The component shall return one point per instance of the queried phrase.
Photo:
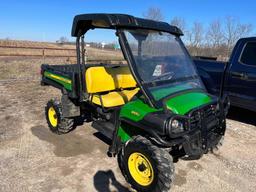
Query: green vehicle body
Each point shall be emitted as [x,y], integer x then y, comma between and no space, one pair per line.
[162,102]
[152,111]
[180,105]
[137,109]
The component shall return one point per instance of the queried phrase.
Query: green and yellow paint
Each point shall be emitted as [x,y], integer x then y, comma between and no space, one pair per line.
[180,104]
[67,83]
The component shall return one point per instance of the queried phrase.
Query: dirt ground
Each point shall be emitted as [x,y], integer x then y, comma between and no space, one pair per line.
[34,159]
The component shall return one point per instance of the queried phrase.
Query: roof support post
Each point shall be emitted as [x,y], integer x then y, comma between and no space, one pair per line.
[80,70]
[83,50]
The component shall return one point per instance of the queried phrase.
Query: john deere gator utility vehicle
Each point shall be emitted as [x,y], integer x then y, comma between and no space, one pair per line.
[154,110]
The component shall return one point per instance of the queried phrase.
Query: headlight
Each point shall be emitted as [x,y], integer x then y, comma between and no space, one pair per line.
[176,126]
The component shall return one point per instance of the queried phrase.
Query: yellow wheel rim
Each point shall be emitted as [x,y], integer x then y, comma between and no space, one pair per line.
[52,116]
[140,169]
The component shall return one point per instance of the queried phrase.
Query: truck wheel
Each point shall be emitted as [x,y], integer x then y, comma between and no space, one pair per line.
[56,122]
[145,166]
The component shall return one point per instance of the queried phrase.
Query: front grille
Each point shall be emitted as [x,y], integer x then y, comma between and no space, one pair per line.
[206,116]
[195,120]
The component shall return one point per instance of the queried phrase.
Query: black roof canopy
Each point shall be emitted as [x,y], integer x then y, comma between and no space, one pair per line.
[83,23]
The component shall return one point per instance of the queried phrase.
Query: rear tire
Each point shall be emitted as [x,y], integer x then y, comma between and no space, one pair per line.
[145,166]
[55,120]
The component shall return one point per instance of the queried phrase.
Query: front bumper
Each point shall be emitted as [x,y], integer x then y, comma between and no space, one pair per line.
[195,145]
[208,127]
[204,128]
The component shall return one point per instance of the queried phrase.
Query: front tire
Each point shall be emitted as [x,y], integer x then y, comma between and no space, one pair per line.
[216,149]
[145,166]
[55,120]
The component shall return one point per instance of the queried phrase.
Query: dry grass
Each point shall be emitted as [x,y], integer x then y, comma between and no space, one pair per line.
[31,48]
[16,43]
[24,67]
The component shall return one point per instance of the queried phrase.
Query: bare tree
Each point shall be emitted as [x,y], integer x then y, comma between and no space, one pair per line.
[154,13]
[234,30]
[196,38]
[179,22]
[215,34]
[197,34]
[217,40]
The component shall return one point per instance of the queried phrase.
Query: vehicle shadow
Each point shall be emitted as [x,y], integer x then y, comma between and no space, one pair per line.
[104,179]
[242,115]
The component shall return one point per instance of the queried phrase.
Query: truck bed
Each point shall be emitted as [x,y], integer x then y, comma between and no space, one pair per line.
[211,73]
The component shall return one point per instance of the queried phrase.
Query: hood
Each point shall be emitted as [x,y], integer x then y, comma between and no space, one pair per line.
[181,104]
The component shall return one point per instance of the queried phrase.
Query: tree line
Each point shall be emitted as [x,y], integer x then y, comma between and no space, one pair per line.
[217,39]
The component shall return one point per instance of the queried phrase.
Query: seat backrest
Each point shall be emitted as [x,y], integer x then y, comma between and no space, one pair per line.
[102,79]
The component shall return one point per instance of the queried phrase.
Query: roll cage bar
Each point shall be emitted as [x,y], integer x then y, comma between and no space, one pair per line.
[85,22]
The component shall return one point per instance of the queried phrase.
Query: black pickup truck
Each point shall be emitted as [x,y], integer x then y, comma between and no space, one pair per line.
[238,74]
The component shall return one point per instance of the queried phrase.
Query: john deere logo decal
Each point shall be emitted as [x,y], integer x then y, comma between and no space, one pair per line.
[135,113]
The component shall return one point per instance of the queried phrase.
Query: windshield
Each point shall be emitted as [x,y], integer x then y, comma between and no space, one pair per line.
[162,62]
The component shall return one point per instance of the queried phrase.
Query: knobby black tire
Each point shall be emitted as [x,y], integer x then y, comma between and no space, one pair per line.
[160,159]
[64,125]
[216,149]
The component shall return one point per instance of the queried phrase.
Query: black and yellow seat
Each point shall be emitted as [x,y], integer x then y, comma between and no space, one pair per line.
[110,87]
